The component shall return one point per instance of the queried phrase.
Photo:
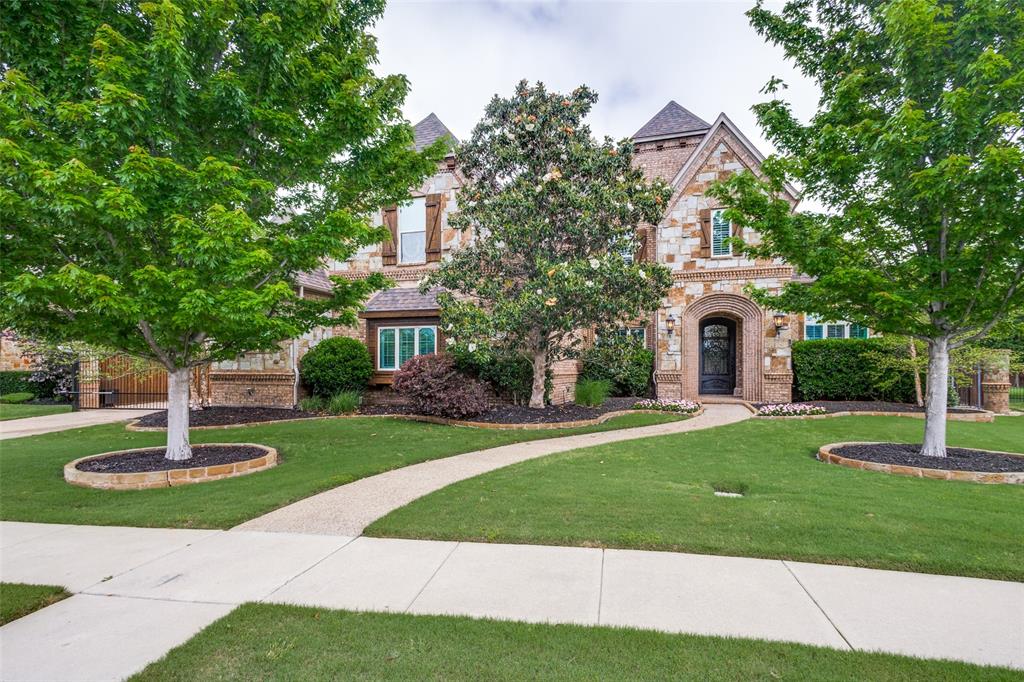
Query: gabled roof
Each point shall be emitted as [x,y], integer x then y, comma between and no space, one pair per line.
[429,130]
[692,164]
[315,281]
[672,121]
[403,299]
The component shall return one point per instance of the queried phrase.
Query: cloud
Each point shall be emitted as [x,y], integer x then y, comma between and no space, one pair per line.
[637,55]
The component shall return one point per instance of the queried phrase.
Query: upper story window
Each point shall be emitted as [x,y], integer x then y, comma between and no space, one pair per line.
[412,231]
[721,230]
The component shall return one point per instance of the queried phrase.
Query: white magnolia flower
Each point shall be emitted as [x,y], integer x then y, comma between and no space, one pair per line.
[538,188]
[449,341]
[540,291]
[590,282]
[449,327]
[643,275]
[472,347]
[594,263]
[620,178]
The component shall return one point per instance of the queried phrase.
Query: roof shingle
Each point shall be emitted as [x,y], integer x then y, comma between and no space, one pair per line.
[430,130]
[672,120]
[315,281]
[403,298]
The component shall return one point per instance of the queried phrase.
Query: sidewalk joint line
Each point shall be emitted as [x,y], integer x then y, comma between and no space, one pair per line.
[600,589]
[306,570]
[811,597]
[431,578]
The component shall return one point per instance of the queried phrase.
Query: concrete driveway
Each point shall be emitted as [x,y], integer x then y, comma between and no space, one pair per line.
[33,426]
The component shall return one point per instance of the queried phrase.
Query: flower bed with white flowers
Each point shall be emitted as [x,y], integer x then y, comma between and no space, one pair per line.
[680,406]
[789,410]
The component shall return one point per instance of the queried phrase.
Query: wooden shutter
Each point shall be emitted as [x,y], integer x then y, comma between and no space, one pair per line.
[641,251]
[433,236]
[389,248]
[705,233]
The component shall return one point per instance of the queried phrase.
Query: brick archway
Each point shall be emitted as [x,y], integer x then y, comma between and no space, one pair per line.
[750,351]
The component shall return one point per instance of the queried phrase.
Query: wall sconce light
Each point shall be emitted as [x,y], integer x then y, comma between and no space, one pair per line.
[670,324]
[780,321]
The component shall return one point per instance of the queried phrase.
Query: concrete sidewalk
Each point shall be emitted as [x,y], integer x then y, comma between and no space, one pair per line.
[348,509]
[140,592]
[34,426]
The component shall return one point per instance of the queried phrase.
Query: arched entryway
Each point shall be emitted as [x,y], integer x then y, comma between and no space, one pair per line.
[717,356]
[745,320]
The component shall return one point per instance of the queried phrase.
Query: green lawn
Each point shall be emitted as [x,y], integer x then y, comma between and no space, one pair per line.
[658,494]
[316,455]
[264,642]
[1017,398]
[17,600]
[21,411]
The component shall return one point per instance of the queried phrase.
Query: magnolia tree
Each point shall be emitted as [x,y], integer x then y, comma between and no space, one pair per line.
[169,167]
[916,153]
[555,214]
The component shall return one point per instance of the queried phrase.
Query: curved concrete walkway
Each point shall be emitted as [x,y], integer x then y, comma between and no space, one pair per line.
[348,509]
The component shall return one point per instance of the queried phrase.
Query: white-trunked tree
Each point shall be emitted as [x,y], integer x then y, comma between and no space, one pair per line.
[170,167]
[917,153]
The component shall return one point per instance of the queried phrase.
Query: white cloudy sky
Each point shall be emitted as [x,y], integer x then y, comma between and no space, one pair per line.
[637,55]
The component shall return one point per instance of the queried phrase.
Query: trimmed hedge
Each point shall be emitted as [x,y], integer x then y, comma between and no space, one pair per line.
[852,369]
[623,361]
[334,365]
[17,382]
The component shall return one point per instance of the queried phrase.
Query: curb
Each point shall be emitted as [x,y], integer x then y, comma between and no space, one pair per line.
[826,455]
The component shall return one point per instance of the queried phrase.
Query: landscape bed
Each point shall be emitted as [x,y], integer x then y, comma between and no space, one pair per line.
[834,406]
[956,459]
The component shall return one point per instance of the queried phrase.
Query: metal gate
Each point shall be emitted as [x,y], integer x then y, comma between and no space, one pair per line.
[971,392]
[119,382]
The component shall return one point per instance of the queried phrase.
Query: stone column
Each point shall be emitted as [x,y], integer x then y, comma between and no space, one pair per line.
[995,383]
[89,384]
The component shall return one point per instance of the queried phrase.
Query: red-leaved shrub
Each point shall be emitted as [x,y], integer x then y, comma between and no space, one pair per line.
[434,386]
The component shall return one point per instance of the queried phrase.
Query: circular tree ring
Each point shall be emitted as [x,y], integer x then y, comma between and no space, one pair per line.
[164,478]
[827,453]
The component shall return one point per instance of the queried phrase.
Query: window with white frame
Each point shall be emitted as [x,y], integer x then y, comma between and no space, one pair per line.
[412,231]
[818,329]
[635,333]
[721,231]
[395,345]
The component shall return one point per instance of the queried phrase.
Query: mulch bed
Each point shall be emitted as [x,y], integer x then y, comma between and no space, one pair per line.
[520,414]
[956,459]
[871,406]
[226,416]
[152,459]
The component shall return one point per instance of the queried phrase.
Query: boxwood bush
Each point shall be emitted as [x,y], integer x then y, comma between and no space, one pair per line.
[623,361]
[16,382]
[335,365]
[852,369]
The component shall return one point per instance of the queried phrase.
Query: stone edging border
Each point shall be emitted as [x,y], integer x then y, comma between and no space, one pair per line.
[133,425]
[825,454]
[172,477]
[951,416]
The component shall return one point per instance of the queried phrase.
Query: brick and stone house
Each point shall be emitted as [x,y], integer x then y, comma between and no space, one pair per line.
[709,338]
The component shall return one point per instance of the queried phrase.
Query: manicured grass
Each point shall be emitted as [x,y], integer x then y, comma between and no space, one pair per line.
[17,600]
[316,455]
[22,411]
[1017,398]
[658,494]
[264,642]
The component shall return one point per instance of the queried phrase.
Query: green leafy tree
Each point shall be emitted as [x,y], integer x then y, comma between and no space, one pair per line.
[554,211]
[169,167]
[916,153]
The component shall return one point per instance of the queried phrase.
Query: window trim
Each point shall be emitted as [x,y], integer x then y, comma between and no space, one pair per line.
[729,227]
[416,340]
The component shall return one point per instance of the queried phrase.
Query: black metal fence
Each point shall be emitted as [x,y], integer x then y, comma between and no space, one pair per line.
[970,392]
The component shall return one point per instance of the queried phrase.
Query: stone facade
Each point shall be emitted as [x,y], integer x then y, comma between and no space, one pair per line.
[12,357]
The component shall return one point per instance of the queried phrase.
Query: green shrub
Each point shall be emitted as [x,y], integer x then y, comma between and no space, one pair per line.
[312,403]
[592,392]
[509,373]
[16,398]
[621,360]
[853,369]
[16,382]
[345,402]
[335,365]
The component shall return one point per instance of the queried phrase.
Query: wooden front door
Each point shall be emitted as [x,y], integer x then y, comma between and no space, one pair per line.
[717,356]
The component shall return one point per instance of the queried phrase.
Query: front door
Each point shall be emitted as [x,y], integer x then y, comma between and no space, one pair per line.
[717,356]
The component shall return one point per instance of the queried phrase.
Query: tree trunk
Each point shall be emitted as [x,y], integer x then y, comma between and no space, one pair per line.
[540,362]
[936,397]
[917,375]
[178,447]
